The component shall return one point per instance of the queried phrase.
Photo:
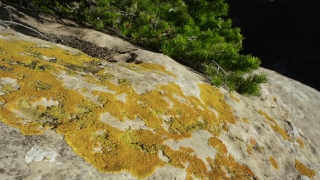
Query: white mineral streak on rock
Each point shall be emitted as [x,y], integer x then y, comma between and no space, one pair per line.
[168,172]
[122,97]
[46,58]
[169,102]
[44,102]
[98,148]
[214,111]
[188,88]
[303,177]
[181,99]
[44,46]
[127,124]
[37,154]
[162,156]
[77,82]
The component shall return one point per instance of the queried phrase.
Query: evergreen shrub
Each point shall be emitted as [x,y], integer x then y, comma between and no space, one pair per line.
[194,32]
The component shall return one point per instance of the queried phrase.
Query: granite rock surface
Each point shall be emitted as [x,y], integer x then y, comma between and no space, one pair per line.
[67,115]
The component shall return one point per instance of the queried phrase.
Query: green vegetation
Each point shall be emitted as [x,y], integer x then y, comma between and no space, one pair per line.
[195,33]
[40,85]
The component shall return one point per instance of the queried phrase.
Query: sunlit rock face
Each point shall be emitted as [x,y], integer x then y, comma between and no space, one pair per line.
[152,120]
[124,117]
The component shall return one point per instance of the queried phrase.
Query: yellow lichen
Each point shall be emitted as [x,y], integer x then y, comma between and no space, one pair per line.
[108,148]
[234,97]
[41,85]
[235,170]
[6,88]
[274,125]
[148,67]
[253,141]
[251,145]
[214,99]
[6,34]
[246,120]
[250,148]
[273,163]
[304,170]
[300,142]
[287,113]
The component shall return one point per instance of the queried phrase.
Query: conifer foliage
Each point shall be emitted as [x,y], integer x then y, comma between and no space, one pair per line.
[193,32]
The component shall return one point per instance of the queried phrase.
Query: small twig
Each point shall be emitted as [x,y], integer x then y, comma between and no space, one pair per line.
[4,24]
[9,10]
[219,67]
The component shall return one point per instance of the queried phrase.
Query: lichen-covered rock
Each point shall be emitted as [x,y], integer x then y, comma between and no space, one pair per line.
[119,123]
[153,120]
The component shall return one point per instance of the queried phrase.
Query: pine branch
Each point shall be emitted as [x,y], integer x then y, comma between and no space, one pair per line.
[192,32]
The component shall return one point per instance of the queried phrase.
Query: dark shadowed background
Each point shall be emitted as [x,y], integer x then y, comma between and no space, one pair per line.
[284,34]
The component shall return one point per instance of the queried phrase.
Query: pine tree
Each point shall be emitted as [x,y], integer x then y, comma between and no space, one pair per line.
[193,32]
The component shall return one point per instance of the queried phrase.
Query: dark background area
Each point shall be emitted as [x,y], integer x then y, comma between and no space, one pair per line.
[284,34]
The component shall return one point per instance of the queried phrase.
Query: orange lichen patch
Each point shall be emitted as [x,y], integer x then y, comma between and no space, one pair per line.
[28,94]
[213,98]
[235,170]
[116,155]
[253,141]
[79,119]
[32,128]
[252,144]
[300,142]
[250,148]
[148,67]
[186,158]
[218,145]
[304,170]
[29,52]
[151,106]
[143,140]
[246,120]
[274,125]
[234,97]
[273,163]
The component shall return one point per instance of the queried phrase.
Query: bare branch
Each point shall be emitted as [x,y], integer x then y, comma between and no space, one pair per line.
[4,24]
[9,10]
[11,22]
[219,67]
